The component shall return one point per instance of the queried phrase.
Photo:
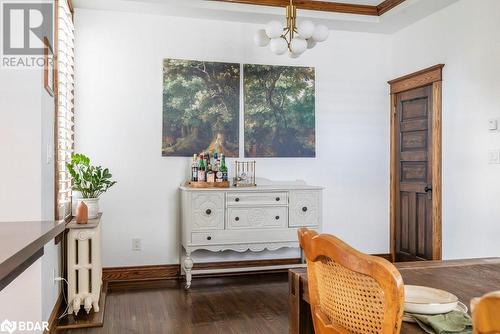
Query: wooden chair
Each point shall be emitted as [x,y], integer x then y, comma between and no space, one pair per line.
[350,292]
[486,313]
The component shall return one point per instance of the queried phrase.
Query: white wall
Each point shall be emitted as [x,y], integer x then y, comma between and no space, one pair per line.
[119,124]
[27,184]
[465,37]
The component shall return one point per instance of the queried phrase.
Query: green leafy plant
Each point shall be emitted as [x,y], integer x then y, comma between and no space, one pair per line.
[91,181]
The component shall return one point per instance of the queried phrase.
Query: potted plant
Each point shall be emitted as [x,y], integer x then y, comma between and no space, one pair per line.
[90,181]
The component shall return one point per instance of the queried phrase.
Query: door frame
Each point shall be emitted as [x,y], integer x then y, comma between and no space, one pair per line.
[429,76]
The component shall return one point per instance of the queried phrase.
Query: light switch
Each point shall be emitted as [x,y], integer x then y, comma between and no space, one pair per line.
[493,124]
[494,157]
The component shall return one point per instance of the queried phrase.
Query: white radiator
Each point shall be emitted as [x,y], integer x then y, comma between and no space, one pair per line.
[84,265]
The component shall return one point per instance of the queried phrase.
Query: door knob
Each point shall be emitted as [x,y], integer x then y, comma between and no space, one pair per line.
[304,209]
[428,188]
[208,211]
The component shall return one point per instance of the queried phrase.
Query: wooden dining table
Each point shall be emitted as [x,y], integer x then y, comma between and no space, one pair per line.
[464,278]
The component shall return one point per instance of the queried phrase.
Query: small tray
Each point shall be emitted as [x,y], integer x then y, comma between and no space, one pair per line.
[223,184]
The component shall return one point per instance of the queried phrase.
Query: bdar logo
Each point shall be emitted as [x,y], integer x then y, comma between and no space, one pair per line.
[8,326]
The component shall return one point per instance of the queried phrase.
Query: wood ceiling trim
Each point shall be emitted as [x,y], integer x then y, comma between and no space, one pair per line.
[325,6]
[387,5]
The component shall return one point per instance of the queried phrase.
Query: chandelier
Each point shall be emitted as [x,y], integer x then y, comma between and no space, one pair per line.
[293,38]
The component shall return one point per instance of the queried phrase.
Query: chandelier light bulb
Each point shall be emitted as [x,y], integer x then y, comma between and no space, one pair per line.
[294,38]
[260,38]
[320,33]
[311,43]
[305,29]
[298,45]
[278,46]
[274,29]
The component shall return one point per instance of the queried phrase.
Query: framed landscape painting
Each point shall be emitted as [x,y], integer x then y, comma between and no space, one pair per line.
[200,107]
[279,111]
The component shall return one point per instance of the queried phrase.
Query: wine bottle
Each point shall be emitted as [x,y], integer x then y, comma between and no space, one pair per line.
[223,167]
[194,168]
[201,170]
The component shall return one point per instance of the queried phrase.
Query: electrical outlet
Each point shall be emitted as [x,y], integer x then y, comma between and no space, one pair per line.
[136,244]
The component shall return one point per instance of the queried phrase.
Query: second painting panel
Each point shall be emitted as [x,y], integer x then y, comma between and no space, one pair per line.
[279,111]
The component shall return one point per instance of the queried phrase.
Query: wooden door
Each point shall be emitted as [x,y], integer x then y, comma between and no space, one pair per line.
[414,226]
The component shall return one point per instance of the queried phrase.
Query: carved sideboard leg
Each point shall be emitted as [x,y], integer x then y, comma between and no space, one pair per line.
[188,265]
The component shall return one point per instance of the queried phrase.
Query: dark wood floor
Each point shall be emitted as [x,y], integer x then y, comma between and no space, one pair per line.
[240,304]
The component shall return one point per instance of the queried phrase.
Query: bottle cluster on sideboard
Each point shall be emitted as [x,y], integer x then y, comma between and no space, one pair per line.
[209,168]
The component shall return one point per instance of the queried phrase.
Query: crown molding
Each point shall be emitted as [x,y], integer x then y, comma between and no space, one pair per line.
[325,6]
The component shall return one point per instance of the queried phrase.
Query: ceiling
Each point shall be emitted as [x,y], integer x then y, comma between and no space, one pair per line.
[399,17]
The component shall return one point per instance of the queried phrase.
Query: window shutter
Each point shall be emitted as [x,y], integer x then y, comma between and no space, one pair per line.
[65,108]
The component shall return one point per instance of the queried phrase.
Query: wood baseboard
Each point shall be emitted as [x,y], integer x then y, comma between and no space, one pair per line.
[118,276]
[141,273]
[388,257]
[54,315]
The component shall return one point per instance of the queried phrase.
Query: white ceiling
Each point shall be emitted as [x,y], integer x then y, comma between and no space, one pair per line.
[403,15]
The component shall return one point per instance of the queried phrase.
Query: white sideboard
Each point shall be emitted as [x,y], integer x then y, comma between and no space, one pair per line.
[242,219]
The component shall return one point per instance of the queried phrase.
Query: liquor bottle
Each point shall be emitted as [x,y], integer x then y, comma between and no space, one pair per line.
[207,159]
[201,170]
[194,168]
[223,167]
[218,173]
[215,164]
[210,174]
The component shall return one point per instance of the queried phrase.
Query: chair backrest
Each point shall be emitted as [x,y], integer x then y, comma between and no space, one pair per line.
[350,292]
[486,313]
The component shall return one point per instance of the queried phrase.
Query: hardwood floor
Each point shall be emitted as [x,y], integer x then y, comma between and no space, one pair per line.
[240,304]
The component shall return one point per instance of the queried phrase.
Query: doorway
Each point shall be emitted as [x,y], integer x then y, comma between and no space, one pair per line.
[415,202]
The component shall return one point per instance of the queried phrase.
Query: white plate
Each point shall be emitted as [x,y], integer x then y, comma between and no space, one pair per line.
[460,307]
[424,300]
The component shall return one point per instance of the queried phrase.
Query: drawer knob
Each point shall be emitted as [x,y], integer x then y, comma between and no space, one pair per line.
[277,217]
[237,199]
[209,238]
[208,211]
[304,208]
[277,199]
[236,218]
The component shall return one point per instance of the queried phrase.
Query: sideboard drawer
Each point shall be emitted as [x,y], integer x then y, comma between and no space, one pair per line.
[234,237]
[256,198]
[305,208]
[207,211]
[263,217]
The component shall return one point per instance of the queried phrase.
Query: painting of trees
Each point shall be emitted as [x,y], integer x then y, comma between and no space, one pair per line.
[279,111]
[200,106]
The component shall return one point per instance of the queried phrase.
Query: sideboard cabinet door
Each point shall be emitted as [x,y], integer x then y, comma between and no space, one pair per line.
[207,210]
[304,208]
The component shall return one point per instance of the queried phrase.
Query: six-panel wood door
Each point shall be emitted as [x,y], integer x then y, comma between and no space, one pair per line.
[414,175]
